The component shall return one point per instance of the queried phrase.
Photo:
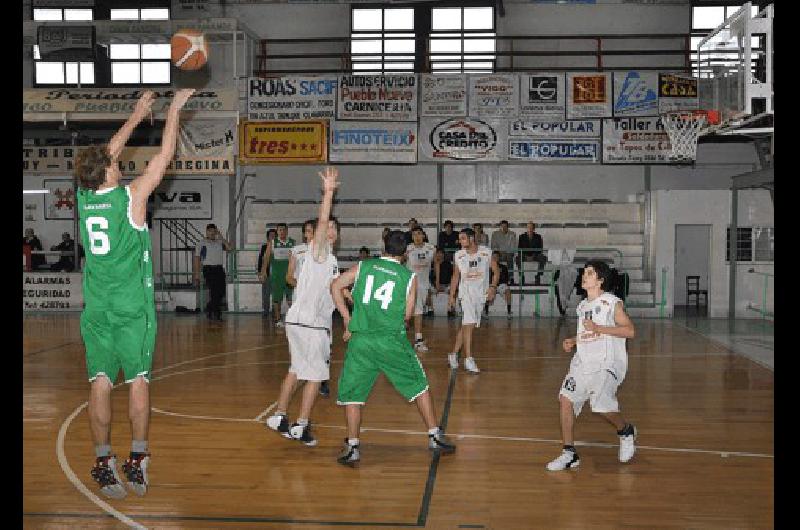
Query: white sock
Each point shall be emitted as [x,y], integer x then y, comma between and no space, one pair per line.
[433,432]
[302,421]
[279,413]
[352,442]
[419,336]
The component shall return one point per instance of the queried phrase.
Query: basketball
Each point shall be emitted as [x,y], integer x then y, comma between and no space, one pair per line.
[189,49]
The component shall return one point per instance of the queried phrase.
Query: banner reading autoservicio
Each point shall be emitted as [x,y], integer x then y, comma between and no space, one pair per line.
[291,98]
[377,97]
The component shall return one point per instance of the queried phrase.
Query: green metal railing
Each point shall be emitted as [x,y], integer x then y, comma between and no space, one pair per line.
[763,310]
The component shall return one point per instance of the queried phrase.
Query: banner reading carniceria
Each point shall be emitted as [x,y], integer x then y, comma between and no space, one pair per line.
[276,142]
[377,98]
[392,142]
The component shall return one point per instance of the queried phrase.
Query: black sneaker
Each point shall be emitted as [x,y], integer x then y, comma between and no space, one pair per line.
[105,474]
[430,313]
[303,433]
[278,422]
[350,455]
[439,442]
[135,469]
[324,389]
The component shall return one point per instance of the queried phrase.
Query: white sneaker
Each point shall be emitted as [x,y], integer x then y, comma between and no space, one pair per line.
[280,324]
[627,447]
[565,460]
[470,366]
[420,346]
[452,358]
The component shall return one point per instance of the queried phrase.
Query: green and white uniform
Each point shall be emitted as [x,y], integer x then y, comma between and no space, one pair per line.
[118,323]
[279,261]
[379,343]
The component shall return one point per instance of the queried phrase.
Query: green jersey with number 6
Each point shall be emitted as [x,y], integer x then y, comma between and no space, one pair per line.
[379,296]
[118,275]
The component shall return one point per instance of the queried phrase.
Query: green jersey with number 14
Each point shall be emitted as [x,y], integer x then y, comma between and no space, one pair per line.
[118,274]
[379,296]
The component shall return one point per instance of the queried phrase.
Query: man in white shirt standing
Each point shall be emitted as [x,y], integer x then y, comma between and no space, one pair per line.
[308,321]
[598,367]
[471,279]
[419,257]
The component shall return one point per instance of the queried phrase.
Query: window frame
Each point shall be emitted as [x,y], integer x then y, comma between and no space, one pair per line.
[384,36]
[464,60]
[751,249]
[140,62]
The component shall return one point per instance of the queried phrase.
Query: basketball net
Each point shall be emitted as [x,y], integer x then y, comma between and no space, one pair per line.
[683,129]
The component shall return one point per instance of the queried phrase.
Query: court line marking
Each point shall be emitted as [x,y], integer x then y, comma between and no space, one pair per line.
[62,432]
[228,519]
[266,411]
[49,349]
[728,348]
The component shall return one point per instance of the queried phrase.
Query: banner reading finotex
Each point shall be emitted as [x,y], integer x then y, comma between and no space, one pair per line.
[392,142]
[291,98]
[122,100]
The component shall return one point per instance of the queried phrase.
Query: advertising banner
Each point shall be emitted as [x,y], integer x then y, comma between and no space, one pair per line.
[378,142]
[291,98]
[121,100]
[52,291]
[493,96]
[207,138]
[47,160]
[443,95]
[553,150]
[677,92]
[182,199]
[275,142]
[636,141]
[59,202]
[555,129]
[377,97]
[543,96]
[635,93]
[463,140]
[588,95]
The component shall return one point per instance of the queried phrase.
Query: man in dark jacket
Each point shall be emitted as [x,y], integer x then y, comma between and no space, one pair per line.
[265,290]
[531,240]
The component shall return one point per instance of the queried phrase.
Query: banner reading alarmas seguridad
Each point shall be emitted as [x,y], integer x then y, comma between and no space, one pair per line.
[277,142]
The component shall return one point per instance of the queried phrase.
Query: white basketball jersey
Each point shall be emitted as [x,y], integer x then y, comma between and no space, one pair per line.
[598,351]
[474,272]
[313,304]
[419,260]
[299,252]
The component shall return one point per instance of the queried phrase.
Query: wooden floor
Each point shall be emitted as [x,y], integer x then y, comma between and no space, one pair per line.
[705,420]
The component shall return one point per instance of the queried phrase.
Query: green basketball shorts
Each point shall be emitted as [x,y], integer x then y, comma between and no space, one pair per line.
[369,355]
[278,284]
[115,340]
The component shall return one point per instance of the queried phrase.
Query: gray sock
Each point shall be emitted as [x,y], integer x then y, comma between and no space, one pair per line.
[102,450]
[139,446]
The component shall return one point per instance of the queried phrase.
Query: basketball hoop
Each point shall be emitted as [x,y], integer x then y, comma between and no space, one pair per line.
[683,128]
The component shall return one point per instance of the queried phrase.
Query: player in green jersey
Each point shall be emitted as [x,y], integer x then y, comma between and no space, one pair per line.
[276,260]
[383,295]
[118,323]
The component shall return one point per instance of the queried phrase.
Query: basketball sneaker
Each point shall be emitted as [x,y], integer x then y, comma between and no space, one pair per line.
[626,443]
[452,358]
[324,389]
[278,422]
[350,455]
[420,346]
[565,460]
[303,433]
[439,442]
[280,324]
[105,474]
[135,469]
[470,366]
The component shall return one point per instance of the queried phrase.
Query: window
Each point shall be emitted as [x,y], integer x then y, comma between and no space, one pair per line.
[60,72]
[382,40]
[753,244]
[707,18]
[462,39]
[140,64]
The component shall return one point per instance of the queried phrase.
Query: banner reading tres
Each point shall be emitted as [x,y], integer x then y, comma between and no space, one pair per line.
[276,142]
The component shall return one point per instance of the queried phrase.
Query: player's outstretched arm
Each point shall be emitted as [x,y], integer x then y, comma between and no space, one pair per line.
[329,184]
[148,181]
[142,109]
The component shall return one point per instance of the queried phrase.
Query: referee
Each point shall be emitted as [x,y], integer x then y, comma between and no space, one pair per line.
[210,254]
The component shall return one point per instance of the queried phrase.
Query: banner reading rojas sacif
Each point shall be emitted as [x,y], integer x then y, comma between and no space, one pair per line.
[276,142]
[122,100]
[379,142]
[291,98]
[377,98]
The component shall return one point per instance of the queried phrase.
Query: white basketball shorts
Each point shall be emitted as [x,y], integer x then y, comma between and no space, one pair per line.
[600,388]
[310,352]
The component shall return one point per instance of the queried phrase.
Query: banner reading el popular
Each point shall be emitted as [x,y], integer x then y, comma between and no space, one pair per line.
[377,98]
[279,142]
[493,95]
[291,98]
[537,150]
[636,141]
[377,142]
[588,95]
[677,92]
[443,95]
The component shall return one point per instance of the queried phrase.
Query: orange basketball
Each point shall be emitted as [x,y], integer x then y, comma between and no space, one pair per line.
[189,49]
